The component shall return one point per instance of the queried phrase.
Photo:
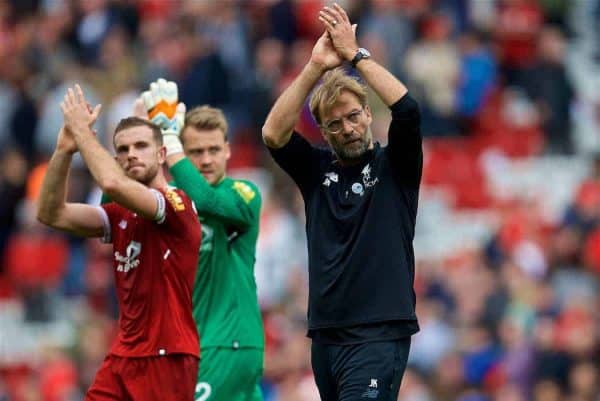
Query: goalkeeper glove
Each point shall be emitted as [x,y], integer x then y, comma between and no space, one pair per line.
[164,110]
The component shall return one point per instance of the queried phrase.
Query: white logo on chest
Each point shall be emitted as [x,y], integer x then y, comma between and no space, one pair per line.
[358,189]
[367,182]
[130,259]
[366,177]
[329,178]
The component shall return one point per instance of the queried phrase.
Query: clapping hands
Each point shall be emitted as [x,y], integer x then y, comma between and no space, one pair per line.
[77,112]
[341,33]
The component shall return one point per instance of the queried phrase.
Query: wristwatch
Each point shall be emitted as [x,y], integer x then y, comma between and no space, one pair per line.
[361,53]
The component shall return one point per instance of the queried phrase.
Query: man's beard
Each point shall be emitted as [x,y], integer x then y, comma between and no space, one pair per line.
[354,152]
[146,177]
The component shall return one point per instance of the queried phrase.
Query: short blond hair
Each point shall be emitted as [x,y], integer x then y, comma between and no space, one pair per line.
[334,83]
[206,118]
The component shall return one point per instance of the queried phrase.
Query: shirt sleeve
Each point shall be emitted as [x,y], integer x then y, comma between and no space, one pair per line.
[179,212]
[109,212]
[405,145]
[160,201]
[299,159]
[234,204]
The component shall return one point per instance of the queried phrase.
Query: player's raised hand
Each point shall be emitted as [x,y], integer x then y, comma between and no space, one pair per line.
[341,32]
[324,54]
[65,141]
[139,108]
[164,109]
[77,113]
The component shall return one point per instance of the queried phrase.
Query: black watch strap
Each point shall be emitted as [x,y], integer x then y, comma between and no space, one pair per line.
[360,54]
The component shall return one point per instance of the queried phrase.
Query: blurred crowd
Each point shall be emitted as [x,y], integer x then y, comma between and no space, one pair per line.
[513,316]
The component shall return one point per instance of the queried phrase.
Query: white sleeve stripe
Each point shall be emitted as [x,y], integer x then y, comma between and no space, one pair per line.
[160,206]
[107,236]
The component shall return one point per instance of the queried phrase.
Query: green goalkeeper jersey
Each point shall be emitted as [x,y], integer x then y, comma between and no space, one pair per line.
[224,300]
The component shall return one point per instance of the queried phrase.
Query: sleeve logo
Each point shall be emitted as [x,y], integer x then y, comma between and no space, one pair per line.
[175,200]
[244,190]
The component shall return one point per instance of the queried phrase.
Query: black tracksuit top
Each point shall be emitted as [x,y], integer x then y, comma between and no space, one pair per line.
[360,225]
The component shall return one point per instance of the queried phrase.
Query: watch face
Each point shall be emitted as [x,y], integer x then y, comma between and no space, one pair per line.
[365,52]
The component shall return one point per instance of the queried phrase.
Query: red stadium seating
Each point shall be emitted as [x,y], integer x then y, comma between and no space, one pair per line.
[36,260]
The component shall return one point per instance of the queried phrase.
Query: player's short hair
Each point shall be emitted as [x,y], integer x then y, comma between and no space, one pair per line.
[205,118]
[131,122]
[327,93]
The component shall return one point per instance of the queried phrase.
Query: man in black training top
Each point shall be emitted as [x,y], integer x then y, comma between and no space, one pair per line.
[361,206]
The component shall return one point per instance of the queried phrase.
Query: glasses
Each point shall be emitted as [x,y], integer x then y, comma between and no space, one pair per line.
[336,126]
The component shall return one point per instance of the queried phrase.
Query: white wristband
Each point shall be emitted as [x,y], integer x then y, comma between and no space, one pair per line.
[172,144]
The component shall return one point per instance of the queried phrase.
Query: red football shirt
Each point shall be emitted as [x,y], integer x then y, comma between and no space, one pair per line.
[155,265]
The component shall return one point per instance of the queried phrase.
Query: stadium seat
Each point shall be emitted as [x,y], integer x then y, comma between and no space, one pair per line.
[36,260]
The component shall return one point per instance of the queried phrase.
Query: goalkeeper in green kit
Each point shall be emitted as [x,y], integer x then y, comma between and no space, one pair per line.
[225,305]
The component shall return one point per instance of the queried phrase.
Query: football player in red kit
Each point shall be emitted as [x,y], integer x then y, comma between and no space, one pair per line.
[155,234]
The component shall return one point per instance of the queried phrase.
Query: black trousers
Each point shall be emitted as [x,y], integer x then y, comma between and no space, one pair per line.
[360,372]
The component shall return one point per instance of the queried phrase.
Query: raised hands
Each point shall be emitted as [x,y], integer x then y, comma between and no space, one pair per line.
[139,108]
[66,142]
[78,114]
[341,33]
[324,54]
[163,108]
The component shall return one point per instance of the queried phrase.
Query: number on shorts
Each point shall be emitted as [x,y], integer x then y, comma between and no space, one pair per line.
[204,389]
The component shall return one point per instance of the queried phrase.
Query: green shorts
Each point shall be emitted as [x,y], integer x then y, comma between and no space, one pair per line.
[227,374]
